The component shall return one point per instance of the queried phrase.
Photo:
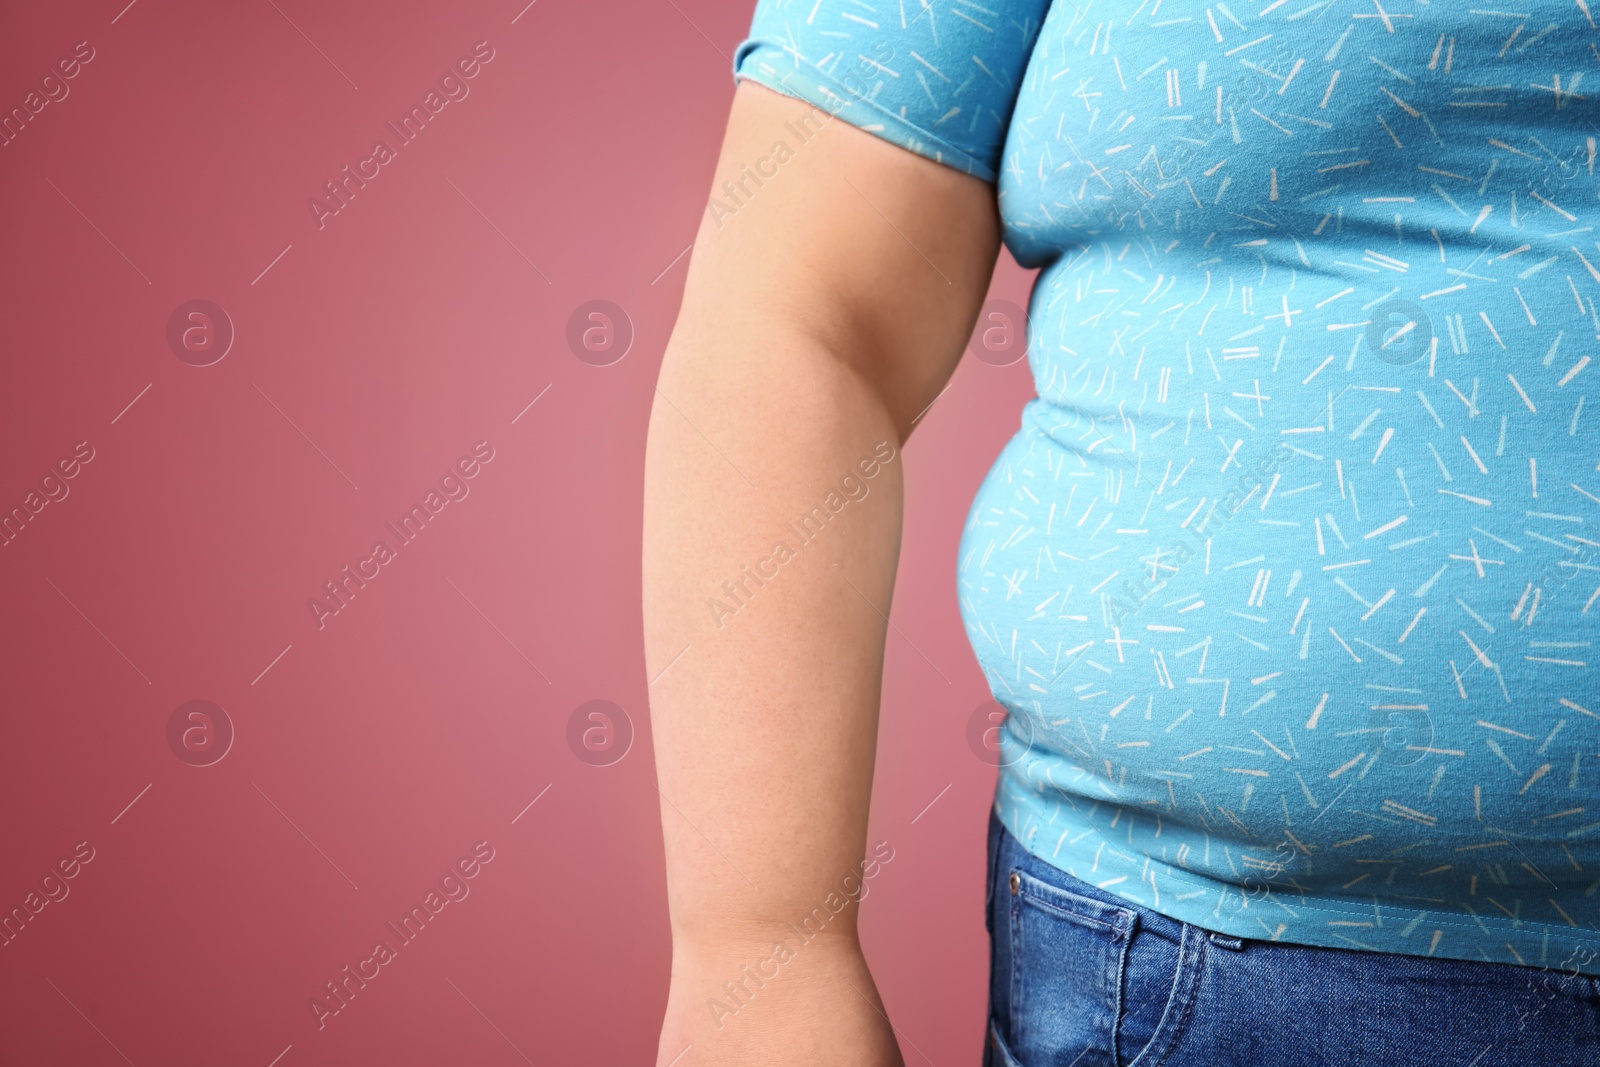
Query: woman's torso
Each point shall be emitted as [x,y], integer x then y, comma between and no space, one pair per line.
[1291,578]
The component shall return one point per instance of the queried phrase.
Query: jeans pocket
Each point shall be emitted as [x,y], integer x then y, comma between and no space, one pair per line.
[1067,956]
[1158,973]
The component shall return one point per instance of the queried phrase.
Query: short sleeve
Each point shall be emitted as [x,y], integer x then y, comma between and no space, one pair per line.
[934,77]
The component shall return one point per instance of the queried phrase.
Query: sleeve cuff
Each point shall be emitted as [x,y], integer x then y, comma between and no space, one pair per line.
[765,62]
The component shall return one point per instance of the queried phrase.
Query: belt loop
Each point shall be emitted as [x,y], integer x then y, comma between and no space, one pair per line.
[1232,944]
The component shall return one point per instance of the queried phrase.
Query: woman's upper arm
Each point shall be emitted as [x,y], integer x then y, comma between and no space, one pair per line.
[879,255]
[854,195]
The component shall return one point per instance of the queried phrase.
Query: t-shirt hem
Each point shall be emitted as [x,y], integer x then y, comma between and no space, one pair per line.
[1526,942]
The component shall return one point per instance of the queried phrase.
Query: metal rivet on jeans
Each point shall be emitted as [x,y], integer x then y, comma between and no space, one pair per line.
[1016,883]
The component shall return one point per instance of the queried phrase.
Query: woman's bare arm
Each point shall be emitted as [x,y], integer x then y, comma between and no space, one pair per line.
[825,309]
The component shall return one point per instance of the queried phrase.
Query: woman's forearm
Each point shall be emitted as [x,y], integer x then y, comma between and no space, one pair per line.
[773,497]
[773,501]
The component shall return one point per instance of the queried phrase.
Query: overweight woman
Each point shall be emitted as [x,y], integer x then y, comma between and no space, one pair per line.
[1289,580]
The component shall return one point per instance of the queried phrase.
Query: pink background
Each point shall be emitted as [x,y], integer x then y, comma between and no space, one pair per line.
[372,754]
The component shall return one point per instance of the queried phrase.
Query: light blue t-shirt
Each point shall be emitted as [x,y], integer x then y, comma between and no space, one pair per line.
[1290,580]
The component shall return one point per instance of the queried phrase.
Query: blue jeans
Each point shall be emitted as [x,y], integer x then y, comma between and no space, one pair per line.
[1080,977]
